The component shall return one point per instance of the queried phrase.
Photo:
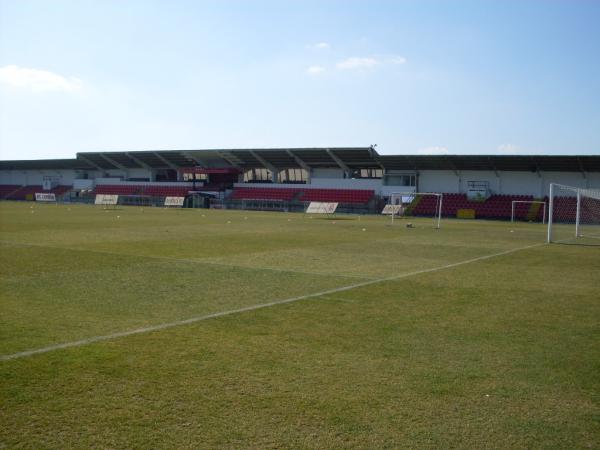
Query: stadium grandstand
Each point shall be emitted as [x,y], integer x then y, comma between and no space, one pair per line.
[359,179]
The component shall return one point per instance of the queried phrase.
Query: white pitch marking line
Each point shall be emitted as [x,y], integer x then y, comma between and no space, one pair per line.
[252,307]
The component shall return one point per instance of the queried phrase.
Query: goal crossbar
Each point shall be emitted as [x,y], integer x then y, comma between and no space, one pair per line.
[573,214]
[514,203]
[400,198]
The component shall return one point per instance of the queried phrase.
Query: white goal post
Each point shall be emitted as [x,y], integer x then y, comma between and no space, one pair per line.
[573,215]
[530,202]
[410,200]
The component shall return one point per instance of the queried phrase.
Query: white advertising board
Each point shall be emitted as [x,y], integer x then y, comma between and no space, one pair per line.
[106,199]
[174,201]
[45,197]
[321,208]
[389,209]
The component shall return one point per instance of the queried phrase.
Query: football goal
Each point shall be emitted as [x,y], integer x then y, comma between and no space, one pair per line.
[426,204]
[574,215]
[528,210]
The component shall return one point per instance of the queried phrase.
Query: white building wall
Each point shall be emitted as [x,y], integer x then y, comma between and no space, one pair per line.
[386,191]
[116,181]
[594,180]
[346,183]
[509,183]
[31,177]
[480,175]
[438,181]
[528,183]
[327,173]
[568,178]
[139,173]
[66,176]
[521,183]
[12,177]
[323,183]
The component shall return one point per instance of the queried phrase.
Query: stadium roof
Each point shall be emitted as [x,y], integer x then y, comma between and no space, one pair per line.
[44,164]
[347,158]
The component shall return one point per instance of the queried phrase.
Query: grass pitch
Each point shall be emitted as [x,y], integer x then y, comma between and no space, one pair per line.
[435,348]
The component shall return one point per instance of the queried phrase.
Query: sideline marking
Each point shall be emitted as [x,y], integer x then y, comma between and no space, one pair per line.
[253,307]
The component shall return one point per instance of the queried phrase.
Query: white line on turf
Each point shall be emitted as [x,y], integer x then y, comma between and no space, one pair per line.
[253,307]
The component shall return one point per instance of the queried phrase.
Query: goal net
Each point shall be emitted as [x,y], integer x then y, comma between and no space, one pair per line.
[574,215]
[528,210]
[419,204]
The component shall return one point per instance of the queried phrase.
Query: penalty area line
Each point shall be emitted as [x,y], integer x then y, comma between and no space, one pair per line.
[191,320]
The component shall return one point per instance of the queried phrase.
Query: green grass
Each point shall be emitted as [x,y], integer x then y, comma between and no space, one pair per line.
[499,353]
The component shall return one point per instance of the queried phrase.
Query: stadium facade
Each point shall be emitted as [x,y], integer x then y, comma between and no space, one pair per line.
[354,168]
[358,176]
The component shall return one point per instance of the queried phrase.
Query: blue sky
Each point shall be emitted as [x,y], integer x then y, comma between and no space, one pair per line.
[508,77]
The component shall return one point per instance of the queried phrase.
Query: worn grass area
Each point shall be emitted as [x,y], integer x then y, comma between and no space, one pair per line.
[500,353]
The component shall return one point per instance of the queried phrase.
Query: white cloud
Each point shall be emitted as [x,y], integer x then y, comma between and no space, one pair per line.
[369,62]
[508,149]
[396,60]
[315,70]
[319,46]
[355,62]
[37,80]
[433,151]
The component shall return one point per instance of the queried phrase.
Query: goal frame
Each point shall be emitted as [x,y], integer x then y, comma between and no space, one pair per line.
[438,214]
[512,211]
[587,192]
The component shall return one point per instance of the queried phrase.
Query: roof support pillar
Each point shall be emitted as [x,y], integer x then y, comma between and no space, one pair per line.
[169,164]
[197,161]
[493,167]
[375,156]
[113,162]
[142,164]
[581,168]
[267,165]
[166,161]
[91,163]
[301,163]
[339,162]
[231,159]
[138,161]
[537,167]
[452,167]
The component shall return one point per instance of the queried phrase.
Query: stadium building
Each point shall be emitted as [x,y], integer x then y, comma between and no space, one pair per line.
[359,179]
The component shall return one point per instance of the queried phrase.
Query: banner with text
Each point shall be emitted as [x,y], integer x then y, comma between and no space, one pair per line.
[396,210]
[174,201]
[321,208]
[45,197]
[106,199]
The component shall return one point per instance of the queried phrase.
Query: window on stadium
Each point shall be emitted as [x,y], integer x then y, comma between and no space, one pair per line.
[367,173]
[198,176]
[292,176]
[257,176]
[400,180]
